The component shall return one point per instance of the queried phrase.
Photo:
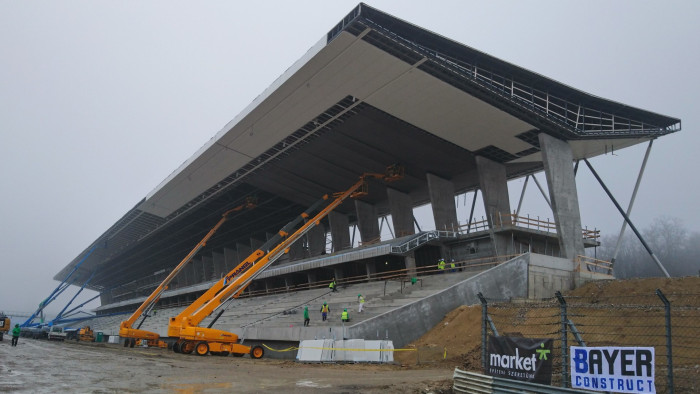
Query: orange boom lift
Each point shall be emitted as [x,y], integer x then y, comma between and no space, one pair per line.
[126,329]
[204,340]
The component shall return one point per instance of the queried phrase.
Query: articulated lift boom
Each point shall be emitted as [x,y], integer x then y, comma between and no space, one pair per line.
[205,340]
[126,329]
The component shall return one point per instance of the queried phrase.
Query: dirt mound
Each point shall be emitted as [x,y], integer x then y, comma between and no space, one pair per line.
[684,290]
[456,340]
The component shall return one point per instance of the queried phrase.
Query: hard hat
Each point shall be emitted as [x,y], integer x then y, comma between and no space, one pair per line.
[345,310]
[359,295]
[16,325]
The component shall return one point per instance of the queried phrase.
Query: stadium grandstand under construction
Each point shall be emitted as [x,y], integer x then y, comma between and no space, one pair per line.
[375,93]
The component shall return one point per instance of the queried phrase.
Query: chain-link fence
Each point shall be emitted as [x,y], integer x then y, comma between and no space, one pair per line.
[669,323]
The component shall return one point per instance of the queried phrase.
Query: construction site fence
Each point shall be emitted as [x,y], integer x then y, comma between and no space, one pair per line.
[667,322]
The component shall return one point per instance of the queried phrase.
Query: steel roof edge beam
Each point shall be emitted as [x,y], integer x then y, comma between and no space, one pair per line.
[627,219]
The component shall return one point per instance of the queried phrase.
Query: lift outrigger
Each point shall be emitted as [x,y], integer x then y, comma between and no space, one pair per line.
[126,329]
[205,340]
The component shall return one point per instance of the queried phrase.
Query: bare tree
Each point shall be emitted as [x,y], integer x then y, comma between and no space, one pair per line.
[673,244]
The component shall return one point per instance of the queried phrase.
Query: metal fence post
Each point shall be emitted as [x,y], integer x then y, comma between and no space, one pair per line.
[484,316]
[564,346]
[669,352]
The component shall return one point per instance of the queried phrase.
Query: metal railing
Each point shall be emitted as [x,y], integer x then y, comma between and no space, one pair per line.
[594,265]
[504,221]
[423,238]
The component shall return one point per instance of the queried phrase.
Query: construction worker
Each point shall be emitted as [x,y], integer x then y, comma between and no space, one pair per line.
[344,316]
[452,266]
[15,334]
[325,310]
[361,301]
[332,285]
[441,266]
[306,316]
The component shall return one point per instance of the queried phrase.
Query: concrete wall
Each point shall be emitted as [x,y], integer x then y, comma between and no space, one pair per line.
[410,322]
[547,275]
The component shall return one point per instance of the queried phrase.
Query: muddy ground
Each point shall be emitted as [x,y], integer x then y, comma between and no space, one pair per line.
[40,366]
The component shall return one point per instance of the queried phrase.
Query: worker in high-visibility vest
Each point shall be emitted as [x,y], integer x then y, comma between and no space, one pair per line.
[344,316]
[453,266]
[332,285]
[361,301]
[441,266]
[15,334]
[325,310]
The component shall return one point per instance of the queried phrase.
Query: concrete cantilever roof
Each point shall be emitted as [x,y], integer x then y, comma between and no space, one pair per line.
[375,91]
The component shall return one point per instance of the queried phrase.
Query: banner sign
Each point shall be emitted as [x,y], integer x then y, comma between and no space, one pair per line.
[612,368]
[526,359]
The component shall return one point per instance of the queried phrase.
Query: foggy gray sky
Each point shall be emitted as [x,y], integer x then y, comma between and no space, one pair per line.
[101,100]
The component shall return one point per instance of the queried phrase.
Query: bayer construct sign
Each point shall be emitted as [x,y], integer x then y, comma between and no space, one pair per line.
[618,369]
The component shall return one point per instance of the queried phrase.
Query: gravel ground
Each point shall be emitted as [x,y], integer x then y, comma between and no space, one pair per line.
[40,366]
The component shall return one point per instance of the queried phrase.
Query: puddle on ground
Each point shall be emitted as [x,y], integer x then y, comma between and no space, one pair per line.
[311,383]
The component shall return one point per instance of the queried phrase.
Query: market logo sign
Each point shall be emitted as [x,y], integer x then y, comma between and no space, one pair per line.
[526,359]
[611,368]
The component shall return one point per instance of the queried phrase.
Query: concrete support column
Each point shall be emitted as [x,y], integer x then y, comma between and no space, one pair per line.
[367,221]
[317,240]
[255,244]
[219,264]
[442,199]
[243,252]
[410,261]
[340,231]
[198,269]
[371,268]
[191,272]
[494,191]
[296,250]
[311,277]
[106,297]
[401,207]
[557,158]
[338,273]
[230,259]
[208,268]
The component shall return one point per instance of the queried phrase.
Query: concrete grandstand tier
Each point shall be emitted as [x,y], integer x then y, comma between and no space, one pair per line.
[375,91]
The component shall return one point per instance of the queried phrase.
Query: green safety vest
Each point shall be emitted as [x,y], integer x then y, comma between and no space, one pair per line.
[344,316]
[452,265]
[331,285]
[362,300]
[441,265]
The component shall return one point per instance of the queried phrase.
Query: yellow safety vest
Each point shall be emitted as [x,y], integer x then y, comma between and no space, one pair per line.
[362,300]
[441,265]
[324,308]
[344,316]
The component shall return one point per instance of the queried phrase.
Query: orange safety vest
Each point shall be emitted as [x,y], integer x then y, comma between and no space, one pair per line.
[324,308]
